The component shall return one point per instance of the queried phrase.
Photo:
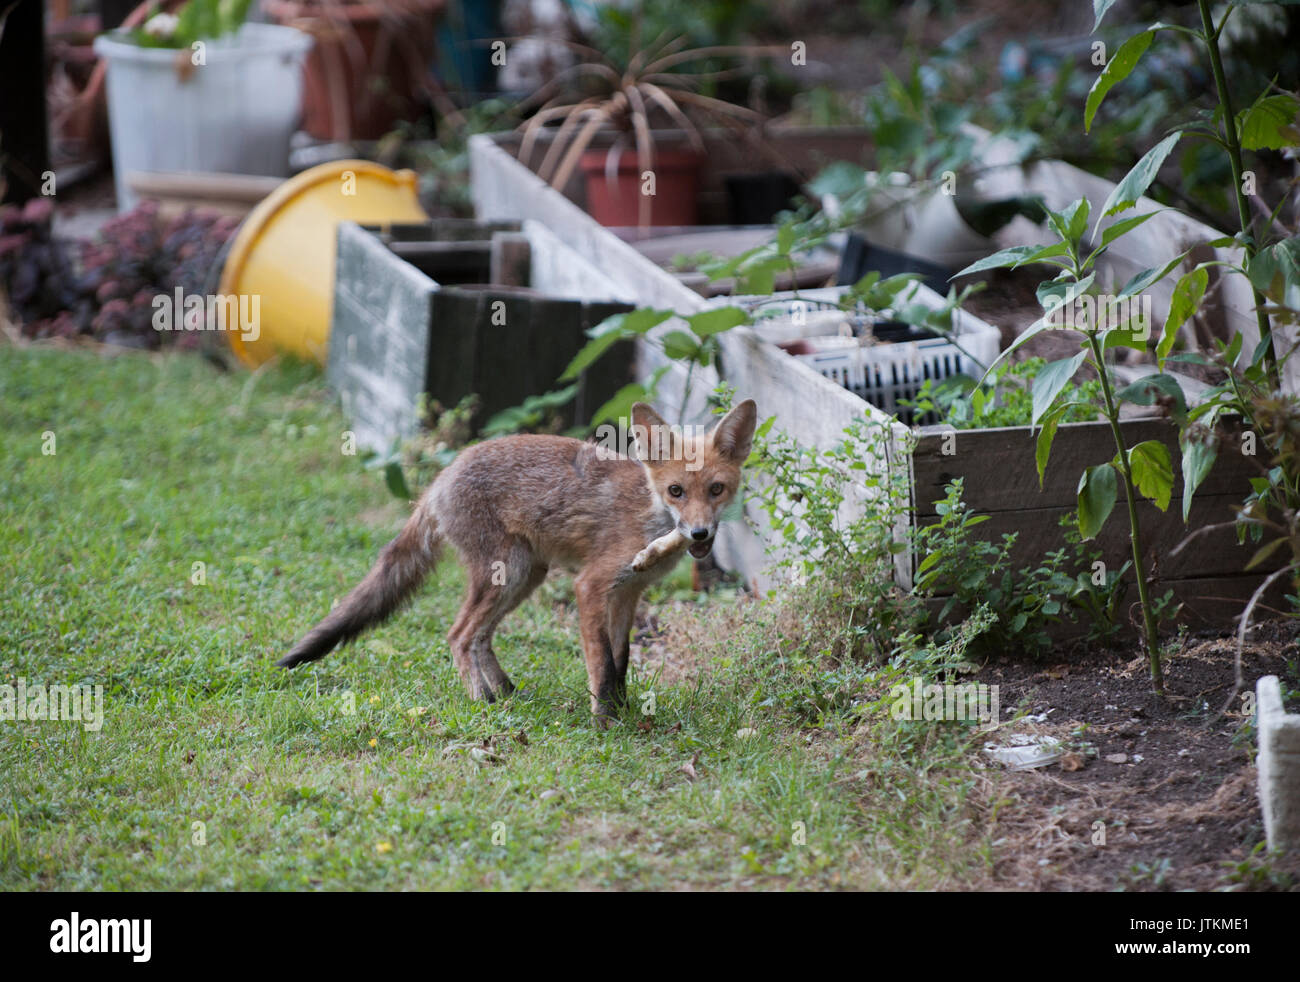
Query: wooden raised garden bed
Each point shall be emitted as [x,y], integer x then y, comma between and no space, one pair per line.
[1000,480]
[449,308]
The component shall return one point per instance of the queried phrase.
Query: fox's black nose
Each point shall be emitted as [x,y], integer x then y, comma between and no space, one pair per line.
[699,535]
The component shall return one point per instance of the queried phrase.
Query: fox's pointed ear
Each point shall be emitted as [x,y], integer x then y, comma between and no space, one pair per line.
[734,434]
[646,423]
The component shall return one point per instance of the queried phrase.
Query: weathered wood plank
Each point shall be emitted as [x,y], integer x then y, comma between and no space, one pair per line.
[1001,475]
[453,326]
[1038,532]
[379,346]
[510,260]
[1208,602]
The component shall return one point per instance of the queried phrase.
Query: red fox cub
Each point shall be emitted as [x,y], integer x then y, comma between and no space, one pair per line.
[516,506]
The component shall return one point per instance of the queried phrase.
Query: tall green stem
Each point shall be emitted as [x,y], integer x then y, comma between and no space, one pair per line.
[1211,38]
[1135,528]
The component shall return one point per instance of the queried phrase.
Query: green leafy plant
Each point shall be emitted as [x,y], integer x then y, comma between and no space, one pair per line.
[196,20]
[969,570]
[1251,386]
[849,553]
[1005,398]
[1106,323]
[627,85]
[1261,125]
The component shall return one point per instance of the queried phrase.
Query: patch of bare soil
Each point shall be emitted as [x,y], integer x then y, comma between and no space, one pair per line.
[1171,783]
[671,641]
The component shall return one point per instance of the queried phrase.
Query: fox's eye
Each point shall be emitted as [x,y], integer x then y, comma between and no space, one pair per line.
[716,488]
[675,490]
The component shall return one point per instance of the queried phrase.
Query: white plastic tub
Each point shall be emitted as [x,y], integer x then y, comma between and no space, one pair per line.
[233,114]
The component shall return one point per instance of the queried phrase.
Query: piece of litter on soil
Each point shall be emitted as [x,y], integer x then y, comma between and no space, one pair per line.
[1026,752]
[1137,758]
[1109,706]
[1040,717]
[1117,758]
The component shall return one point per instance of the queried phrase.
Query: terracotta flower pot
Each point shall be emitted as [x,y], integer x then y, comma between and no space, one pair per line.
[615,187]
[369,62]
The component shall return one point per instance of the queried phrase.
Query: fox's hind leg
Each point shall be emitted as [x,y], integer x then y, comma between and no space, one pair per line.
[496,588]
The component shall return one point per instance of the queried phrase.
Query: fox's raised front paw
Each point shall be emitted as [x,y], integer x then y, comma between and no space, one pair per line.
[643,560]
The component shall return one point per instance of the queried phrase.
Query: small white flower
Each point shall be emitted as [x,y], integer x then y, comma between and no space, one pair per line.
[161,25]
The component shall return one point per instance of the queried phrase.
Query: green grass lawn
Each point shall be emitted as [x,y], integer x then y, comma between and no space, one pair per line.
[368,770]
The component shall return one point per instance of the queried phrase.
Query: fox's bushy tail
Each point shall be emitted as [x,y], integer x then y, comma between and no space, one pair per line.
[400,569]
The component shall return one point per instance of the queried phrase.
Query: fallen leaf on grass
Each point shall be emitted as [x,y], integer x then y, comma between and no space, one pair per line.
[688,768]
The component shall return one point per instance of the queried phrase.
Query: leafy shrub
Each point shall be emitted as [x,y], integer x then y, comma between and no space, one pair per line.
[106,287]
[1006,398]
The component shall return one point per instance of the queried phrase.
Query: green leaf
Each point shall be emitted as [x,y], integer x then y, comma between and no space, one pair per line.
[1044,253]
[1188,292]
[611,330]
[619,405]
[1264,552]
[1275,271]
[396,481]
[1047,434]
[1072,221]
[1050,380]
[681,345]
[709,322]
[1055,295]
[1116,229]
[1000,259]
[1099,8]
[1263,125]
[1147,390]
[1135,183]
[1198,459]
[785,238]
[1153,474]
[759,280]
[1148,276]
[1098,487]
[1116,70]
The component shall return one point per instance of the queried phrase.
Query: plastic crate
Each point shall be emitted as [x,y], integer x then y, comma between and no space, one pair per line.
[886,374]
[883,373]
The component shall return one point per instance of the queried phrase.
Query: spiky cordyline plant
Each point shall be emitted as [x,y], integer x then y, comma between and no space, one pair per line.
[628,94]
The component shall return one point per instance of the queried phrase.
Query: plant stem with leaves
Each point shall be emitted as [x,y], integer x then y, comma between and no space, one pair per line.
[1232,144]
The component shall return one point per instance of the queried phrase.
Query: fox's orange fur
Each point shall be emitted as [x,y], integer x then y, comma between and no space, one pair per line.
[516,506]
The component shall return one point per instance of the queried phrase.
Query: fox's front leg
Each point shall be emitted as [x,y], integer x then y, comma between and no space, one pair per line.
[658,550]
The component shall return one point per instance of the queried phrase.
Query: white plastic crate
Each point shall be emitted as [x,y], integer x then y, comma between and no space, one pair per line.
[885,374]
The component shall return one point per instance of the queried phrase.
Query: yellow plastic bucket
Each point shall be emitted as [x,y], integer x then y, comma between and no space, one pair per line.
[284,252]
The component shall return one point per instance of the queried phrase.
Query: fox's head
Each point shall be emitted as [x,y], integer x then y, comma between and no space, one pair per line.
[695,476]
